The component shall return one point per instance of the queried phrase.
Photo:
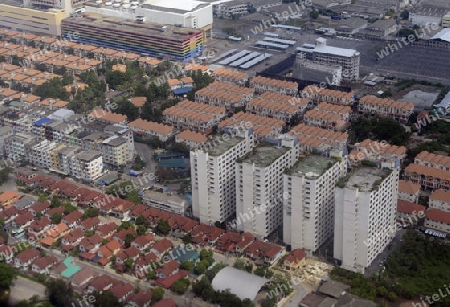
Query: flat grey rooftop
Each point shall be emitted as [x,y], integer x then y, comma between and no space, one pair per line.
[218,145]
[422,100]
[365,177]
[313,165]
[265,155]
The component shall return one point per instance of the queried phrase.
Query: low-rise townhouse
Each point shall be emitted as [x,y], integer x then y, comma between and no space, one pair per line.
[122,291]
[234,243]
[72,219]
[188,115]
[122,235]
[167,269]
[328,116]
[150,130]
[143,242]
[262,126]
[90,244]
[309,138]
[161,247]
[409,213]
[294,260]
[191,139]
[428,177]
[230,76]
[265,251]
[271,109]
[386,155]
[320,94]
[26,258]
[386,107]
[263,84]
[205,234]
[141,299]
[408,191]
[44,264]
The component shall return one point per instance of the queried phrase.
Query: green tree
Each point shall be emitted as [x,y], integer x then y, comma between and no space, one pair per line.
[42,198]
[59,292]
[142,221]
[187,239]
[128,239]
[134,197]
[180,286]
[151,274]
[239,264]
[129,264]
[56,218]
[7,274]
[157,294]
[314,14]
[90,212]
[201,267]
[124,225]
[186,265]
[89,233]
[56,202]
[53,88]
[105,299]
[163,227]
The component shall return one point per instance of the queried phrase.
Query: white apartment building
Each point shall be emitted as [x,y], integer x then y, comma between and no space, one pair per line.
[348,59]
[365,211]
[66,159]
[89,165]
[308,215]
[213,175]
[40,154]
[124,132]
[18,146]
[259,188]
[166,201]
[116,151]
[4,133]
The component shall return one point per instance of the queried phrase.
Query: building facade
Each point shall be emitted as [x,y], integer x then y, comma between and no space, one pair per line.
[259,189]
[365,212]
[308,215]
[213,176]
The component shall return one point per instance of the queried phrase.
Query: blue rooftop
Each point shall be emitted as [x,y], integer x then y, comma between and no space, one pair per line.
[41,121]
[183,90]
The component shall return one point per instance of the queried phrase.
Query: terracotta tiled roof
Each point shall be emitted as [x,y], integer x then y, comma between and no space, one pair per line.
[438,216]
[441,195]
[408,187]
[410,208]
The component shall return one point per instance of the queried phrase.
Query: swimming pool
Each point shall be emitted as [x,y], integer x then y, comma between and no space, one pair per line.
[71,269]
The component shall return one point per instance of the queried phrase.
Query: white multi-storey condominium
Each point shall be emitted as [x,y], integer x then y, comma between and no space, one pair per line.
[308,215]
[213,175]
[89,165]
[259,189]
[364,224]
[348,59]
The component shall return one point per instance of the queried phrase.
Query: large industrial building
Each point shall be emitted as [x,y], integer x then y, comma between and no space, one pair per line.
[172,42]
[188,14]
[23,19]
[365,211]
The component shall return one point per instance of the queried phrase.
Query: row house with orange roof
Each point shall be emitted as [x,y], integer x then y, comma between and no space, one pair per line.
[147,129]
[230,76]
[382,153]
[188,115]
[431,171]
[321,94]
[191,139]
[323,140]
[385,107]
[263,84]
[226,95]
[145,62]
[284,112]
[262,126]
[408,191]
[437,217]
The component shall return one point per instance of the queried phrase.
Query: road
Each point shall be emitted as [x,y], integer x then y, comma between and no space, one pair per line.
[146,154]
[299,293]
[24,289]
